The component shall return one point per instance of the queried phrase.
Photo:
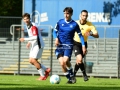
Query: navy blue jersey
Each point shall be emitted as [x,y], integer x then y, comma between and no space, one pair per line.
[65,31]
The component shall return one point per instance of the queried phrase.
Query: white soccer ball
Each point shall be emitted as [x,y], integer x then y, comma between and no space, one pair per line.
[54,79]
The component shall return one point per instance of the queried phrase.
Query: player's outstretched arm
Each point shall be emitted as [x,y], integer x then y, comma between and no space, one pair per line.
[31,38]
[28,39]
[22,39]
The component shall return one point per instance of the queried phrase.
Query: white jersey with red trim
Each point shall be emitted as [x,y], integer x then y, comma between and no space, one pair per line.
[34,36]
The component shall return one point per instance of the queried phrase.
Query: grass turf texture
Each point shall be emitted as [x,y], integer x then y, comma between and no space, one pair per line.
[20,82]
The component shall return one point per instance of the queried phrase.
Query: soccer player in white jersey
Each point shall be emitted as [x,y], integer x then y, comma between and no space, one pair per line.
[37,45]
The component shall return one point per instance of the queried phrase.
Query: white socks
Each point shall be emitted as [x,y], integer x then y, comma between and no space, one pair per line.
[66,73]
[41,72]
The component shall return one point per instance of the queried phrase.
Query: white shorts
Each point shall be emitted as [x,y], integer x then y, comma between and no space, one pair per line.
[35,52]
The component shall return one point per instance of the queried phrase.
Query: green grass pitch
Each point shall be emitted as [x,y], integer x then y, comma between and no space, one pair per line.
[26,82]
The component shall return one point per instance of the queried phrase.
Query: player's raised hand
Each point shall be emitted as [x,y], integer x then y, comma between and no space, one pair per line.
[21,39]
[56,42]
[28,45]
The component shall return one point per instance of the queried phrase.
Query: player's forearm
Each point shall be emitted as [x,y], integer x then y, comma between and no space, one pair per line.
[95,35]
[82,39]
[31,38]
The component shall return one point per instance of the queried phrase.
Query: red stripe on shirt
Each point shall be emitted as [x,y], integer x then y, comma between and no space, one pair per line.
[34,30]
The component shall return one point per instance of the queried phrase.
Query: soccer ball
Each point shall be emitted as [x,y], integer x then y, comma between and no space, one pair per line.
[54,79]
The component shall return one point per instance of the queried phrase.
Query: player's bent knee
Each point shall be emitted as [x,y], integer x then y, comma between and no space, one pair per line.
[79,59]
[66,59]
[61,62]
[32,61]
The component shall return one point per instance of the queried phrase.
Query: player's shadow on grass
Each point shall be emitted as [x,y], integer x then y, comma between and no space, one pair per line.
[111,9]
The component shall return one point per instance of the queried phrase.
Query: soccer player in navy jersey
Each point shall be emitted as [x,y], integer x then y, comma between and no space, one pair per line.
[63,34]
[37,45]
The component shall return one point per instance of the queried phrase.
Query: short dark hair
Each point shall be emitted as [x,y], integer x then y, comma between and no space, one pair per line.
[68,9]
[84,11]
[26,15]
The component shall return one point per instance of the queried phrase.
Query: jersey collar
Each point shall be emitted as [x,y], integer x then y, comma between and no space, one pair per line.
[68,21]
[83,23]
[29,26]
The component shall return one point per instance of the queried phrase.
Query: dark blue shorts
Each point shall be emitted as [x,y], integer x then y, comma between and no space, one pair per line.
[64,50]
